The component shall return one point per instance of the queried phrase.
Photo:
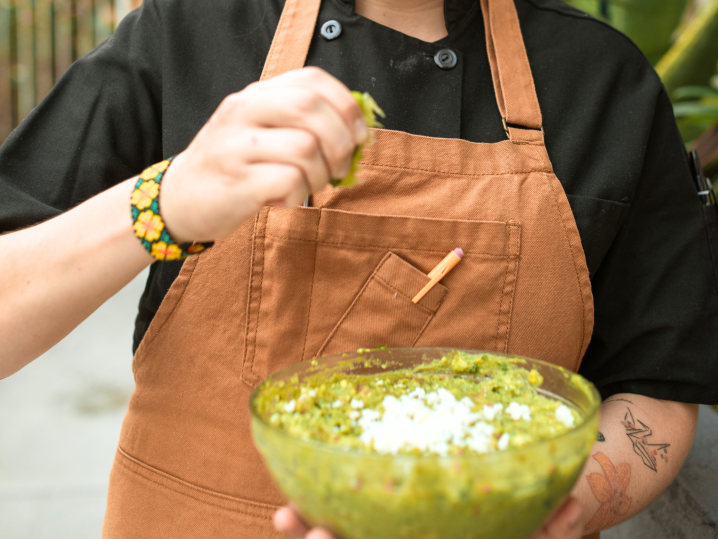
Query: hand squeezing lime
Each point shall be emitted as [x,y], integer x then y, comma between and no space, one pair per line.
[371,110]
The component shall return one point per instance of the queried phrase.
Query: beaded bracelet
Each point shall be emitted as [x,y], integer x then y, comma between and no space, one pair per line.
[147,222]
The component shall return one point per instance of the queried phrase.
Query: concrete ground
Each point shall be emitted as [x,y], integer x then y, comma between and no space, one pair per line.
[60,419]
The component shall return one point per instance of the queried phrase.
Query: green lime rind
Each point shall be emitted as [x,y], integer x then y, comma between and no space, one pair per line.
[370,109]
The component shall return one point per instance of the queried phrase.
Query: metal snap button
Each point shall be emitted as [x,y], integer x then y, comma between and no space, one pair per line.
[445,58]
[331,30]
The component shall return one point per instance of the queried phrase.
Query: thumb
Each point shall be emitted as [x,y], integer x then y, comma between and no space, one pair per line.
[565,523]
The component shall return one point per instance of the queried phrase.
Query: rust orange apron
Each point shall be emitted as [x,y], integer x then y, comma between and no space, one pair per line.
[295,283]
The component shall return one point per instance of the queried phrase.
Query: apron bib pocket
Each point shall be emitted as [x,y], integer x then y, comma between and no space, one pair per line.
[382,314]
[326,281]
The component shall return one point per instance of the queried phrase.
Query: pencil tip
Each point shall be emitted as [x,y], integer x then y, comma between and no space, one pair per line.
[459,252]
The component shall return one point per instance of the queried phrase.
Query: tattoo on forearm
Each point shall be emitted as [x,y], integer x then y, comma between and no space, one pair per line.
[615,399]
[600,437]
[638,432]
[610,490]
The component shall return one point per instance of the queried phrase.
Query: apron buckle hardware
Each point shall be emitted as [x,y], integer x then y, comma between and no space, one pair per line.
[507,125]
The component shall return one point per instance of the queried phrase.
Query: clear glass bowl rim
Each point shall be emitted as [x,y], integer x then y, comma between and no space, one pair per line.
[332,449]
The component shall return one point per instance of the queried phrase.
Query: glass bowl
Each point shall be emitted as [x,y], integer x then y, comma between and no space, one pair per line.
[360,495]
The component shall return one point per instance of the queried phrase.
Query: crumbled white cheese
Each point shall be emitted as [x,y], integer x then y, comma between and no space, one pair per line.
[290,406]
[564,415]
[429,422]
[490,412]
[518,411]
[370,415]
[503,442]
[337,403]
[354,414]
[357,404]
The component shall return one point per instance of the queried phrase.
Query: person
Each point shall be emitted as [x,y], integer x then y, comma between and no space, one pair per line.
[537,139]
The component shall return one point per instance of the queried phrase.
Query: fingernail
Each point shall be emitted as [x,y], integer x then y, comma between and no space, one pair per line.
[360,130]
[278,522]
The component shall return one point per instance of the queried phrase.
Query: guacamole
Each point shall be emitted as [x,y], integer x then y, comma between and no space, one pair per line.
[425,443]
[459,404]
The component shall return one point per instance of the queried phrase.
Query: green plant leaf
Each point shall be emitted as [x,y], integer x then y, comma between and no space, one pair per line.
[692,58]
[693,92]
[695,108]
[649,23]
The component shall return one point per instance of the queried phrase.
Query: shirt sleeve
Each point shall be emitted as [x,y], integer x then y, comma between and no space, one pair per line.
[98,126]
[656,293]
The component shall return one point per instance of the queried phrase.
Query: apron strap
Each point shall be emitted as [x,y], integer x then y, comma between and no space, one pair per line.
[510,69]
[290,44]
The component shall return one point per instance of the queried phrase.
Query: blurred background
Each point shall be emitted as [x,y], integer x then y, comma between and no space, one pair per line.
[680,38]
[39,39]
[60,417]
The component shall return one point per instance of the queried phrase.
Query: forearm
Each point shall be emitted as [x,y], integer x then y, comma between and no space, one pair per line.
[54,275]
[642,445]
[274,142]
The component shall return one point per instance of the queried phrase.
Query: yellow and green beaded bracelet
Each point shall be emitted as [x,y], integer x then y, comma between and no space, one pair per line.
[147,222]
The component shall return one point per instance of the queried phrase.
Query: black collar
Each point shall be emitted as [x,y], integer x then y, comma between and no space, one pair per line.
[455,11]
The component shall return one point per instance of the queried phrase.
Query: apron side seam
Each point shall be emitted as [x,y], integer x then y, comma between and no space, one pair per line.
[311,287]
[249,300]
[513,231]
[248,364]
[587,320]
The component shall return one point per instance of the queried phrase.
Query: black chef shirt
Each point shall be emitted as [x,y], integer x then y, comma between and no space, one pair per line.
[144,94]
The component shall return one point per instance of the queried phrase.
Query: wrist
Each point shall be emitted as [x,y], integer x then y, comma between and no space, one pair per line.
[148,221]
[171,205]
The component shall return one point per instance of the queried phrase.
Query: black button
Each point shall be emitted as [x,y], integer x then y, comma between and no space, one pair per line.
[331,30]
[445,58]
